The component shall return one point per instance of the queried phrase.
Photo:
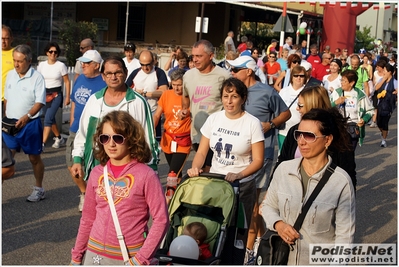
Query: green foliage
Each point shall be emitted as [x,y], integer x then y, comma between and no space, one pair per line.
[364,39]
[262,33]
[219,55]
[70,35]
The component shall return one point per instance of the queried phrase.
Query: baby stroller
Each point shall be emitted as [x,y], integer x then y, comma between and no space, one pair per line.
[213,201]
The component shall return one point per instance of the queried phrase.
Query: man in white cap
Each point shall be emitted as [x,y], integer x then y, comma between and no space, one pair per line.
[311,81]
[266,104]
[87,83]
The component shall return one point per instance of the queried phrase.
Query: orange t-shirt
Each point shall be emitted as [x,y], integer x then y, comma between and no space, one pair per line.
[171,105]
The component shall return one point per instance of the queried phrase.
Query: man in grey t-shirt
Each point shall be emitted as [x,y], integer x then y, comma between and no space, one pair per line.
[201,91]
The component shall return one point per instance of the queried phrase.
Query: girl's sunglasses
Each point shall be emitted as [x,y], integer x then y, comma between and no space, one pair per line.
[309,137]
[105,138]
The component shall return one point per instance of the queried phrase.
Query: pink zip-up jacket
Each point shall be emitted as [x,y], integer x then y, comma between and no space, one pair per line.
[137,193]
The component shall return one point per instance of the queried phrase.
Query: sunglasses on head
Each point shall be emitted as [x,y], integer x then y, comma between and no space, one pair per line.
[309,137]
[235,70]
[105,138]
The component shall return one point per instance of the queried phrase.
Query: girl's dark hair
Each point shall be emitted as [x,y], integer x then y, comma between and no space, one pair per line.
[123,123]
[381,63]
[331,122]
[232,84]
[50,45]
[114,60]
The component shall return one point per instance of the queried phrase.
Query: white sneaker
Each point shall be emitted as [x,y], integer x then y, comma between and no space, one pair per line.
[383,143]
[58,142]
[373,125]
[37,194]
[82,201]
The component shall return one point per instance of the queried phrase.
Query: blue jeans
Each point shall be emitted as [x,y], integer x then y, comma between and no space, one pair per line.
[51,108]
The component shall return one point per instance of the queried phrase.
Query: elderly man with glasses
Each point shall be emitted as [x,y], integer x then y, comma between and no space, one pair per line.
[115,96]
[149,81]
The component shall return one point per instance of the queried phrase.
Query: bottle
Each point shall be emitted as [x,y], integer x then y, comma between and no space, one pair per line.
[171,184]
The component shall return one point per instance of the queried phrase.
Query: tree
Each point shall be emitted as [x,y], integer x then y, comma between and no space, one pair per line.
[364,39]
[70,35]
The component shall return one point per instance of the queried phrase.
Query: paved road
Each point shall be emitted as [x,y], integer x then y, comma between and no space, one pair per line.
[43,233]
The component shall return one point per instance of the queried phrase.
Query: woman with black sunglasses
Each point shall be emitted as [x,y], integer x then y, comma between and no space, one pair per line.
[281,82]
[55,74]
[136,190]
[331,216]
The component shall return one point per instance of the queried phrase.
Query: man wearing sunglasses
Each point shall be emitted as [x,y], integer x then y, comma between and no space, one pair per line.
[322,69]
[149,81]
[85,45]
[265,104]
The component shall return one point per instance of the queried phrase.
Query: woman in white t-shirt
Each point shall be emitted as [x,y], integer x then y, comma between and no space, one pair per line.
[237,141]
[290,96]
[55,73]
[332,81]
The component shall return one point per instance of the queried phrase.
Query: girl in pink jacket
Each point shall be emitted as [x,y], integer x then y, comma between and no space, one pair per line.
[136,191]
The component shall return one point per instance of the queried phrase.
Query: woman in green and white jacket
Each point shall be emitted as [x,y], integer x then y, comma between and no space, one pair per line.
[353,103]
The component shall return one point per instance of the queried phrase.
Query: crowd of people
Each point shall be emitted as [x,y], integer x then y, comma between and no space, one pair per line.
[125,111]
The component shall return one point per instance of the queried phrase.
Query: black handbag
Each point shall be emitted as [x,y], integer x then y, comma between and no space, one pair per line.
[272,249]
[352,127]
[353,130]
[8,126]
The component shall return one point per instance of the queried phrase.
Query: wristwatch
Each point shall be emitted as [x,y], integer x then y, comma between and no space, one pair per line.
[29,116]
[272,125]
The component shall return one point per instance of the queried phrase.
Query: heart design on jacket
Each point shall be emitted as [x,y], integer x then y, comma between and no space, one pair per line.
[120,187]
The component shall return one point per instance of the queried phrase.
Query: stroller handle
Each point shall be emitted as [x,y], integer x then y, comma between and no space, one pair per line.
[213,176]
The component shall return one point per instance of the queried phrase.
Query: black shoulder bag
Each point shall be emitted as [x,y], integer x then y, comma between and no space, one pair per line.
[272,248]
[353,128]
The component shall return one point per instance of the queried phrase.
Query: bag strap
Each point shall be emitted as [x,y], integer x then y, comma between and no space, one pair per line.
[293,101]
[329,171]
[119,235]
[344,104]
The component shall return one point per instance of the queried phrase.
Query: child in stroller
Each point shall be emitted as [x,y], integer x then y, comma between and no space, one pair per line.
[199,232]
[212,201]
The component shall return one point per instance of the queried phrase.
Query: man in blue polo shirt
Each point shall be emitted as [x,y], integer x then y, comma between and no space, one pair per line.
[24,97]
[264,103]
